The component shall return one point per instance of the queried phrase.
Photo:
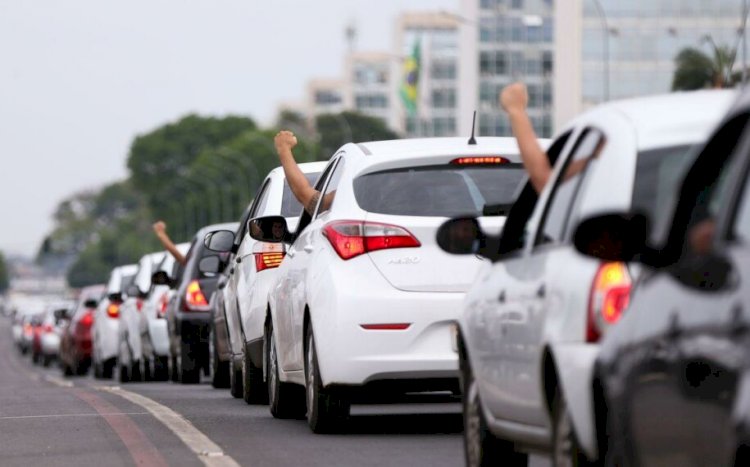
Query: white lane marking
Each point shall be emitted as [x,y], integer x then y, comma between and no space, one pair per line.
[20,417]
[208,452]
[58,381]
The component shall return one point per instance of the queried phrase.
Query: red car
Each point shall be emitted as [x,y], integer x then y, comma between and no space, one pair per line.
[75,346]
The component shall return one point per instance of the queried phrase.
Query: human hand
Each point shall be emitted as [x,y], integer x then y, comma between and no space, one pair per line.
[284,141]
[514,98]
[160,227]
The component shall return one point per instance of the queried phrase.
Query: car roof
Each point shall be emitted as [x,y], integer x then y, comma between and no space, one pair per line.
[154,257]
[126,270]
[458,146]
[305,167]
[669,119]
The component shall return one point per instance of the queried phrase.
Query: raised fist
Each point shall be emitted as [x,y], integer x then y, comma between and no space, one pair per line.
[285,141]
[160,227]
[514,97]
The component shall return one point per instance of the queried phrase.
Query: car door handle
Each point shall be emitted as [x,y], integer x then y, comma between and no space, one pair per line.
[309,248]
[541,292]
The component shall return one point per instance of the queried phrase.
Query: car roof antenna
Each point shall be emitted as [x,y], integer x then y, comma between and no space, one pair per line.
[472,140]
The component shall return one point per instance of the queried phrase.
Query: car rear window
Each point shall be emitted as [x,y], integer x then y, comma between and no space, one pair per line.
[290,207]
[126,282]
[657,176]
[444,191]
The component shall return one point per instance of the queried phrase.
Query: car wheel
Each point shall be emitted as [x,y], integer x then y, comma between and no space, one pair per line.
[566,452]
[66,369]
[219,370]
[136,374]
[481,447]
[97,370]
[174,374]
[108,368]
[189,368]
[254,390]
[326,410]
[148,370]
[285,400]
[161,368]
[46,360]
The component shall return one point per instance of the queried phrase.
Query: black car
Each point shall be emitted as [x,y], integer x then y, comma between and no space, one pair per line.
[188,312]
[672,381]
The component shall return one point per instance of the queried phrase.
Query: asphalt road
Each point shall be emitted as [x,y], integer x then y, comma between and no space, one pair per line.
[49,420]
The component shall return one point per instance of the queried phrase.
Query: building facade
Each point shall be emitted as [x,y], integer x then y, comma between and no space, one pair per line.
[503,41]
[614,49]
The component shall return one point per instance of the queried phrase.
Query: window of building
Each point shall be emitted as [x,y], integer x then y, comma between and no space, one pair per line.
[443,70]
[327,97]
[444,98]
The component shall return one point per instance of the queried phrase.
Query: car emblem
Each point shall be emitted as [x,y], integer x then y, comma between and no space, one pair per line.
[404,260]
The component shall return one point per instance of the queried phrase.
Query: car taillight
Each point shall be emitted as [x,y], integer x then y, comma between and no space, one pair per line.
[163,302]
[113,310]
[610,295]
[480,160]
[194,298]
[87,319]
[265,261]
[138,304]
[353,238]
[27,329]
[47,328]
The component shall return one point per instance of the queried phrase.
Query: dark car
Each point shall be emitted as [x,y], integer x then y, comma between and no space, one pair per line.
[188,313]
[671,384]
[76,342]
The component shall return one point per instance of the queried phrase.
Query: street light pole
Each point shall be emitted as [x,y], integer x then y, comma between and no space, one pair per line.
[605,53]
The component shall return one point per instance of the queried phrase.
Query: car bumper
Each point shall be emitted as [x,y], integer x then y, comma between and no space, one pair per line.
[350,354]
[50,344]
[107,338]
[157,330]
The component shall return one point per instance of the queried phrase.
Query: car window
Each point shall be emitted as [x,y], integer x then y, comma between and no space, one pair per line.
[741,225]
[561,206]
[290,206]
[516,225]
[262,198]
[326,199]
[306,217]
[443,190]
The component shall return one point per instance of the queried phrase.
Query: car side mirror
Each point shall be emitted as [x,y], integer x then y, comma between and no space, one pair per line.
[161,278]
[210,265]
[612,237]
[220,241]
[271,229]
[90,303]
[461,236]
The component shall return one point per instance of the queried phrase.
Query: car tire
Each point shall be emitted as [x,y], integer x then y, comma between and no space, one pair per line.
[148,370]
[123,374]
[188,365]
[254,390]
[108,368]
[66,369]
[327,410]
[285,400]
[220,377]
[481,447]
[235,380]
[174,374]
[136,373]
[47,360]
[82,368]
[566,451]
[97,370]
[161,368]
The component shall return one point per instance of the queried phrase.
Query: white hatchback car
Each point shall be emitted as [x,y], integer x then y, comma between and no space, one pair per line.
[130,356]
[244,297]
[104,332]
[529,334]
[365,300]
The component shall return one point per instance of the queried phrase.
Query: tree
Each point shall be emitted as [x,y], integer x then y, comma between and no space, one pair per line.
[335,130]
[695,69]
[4,274]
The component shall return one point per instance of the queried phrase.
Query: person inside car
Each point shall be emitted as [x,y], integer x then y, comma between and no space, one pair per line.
[305,193]
[160,229]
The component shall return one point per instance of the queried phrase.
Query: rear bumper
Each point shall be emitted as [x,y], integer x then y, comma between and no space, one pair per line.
[106,337]
[159,334]
[50,344]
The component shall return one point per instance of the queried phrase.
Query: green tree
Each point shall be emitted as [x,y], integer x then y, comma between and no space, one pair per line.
[695,69]
[4,274]
[335,130]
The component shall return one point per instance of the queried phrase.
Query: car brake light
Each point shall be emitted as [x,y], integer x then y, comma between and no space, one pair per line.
[194,298]
[163,302]
[47,328]
[610,295]
[480,160]
[265,261]
[113,310]
[386,326]
[138,304]
[27,329]
[353,238]
[87,319]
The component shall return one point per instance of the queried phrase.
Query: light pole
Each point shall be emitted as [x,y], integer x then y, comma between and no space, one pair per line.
[605,53]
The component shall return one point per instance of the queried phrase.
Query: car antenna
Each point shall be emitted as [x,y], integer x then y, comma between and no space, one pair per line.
[472,140]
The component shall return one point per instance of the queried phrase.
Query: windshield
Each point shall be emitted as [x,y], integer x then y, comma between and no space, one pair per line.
[445,190]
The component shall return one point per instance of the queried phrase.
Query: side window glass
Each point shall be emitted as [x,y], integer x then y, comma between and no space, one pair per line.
[741,227]
[260,205]
[306,217]
[326,199]
[561,204]
[514,231]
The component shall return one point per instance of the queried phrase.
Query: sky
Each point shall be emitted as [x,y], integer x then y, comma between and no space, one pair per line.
[80,78]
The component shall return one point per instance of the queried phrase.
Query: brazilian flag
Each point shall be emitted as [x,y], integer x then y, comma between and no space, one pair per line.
[411,80]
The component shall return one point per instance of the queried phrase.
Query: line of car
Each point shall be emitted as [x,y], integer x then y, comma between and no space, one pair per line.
[602,320]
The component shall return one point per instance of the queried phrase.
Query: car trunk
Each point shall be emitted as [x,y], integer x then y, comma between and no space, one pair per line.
[427,268]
